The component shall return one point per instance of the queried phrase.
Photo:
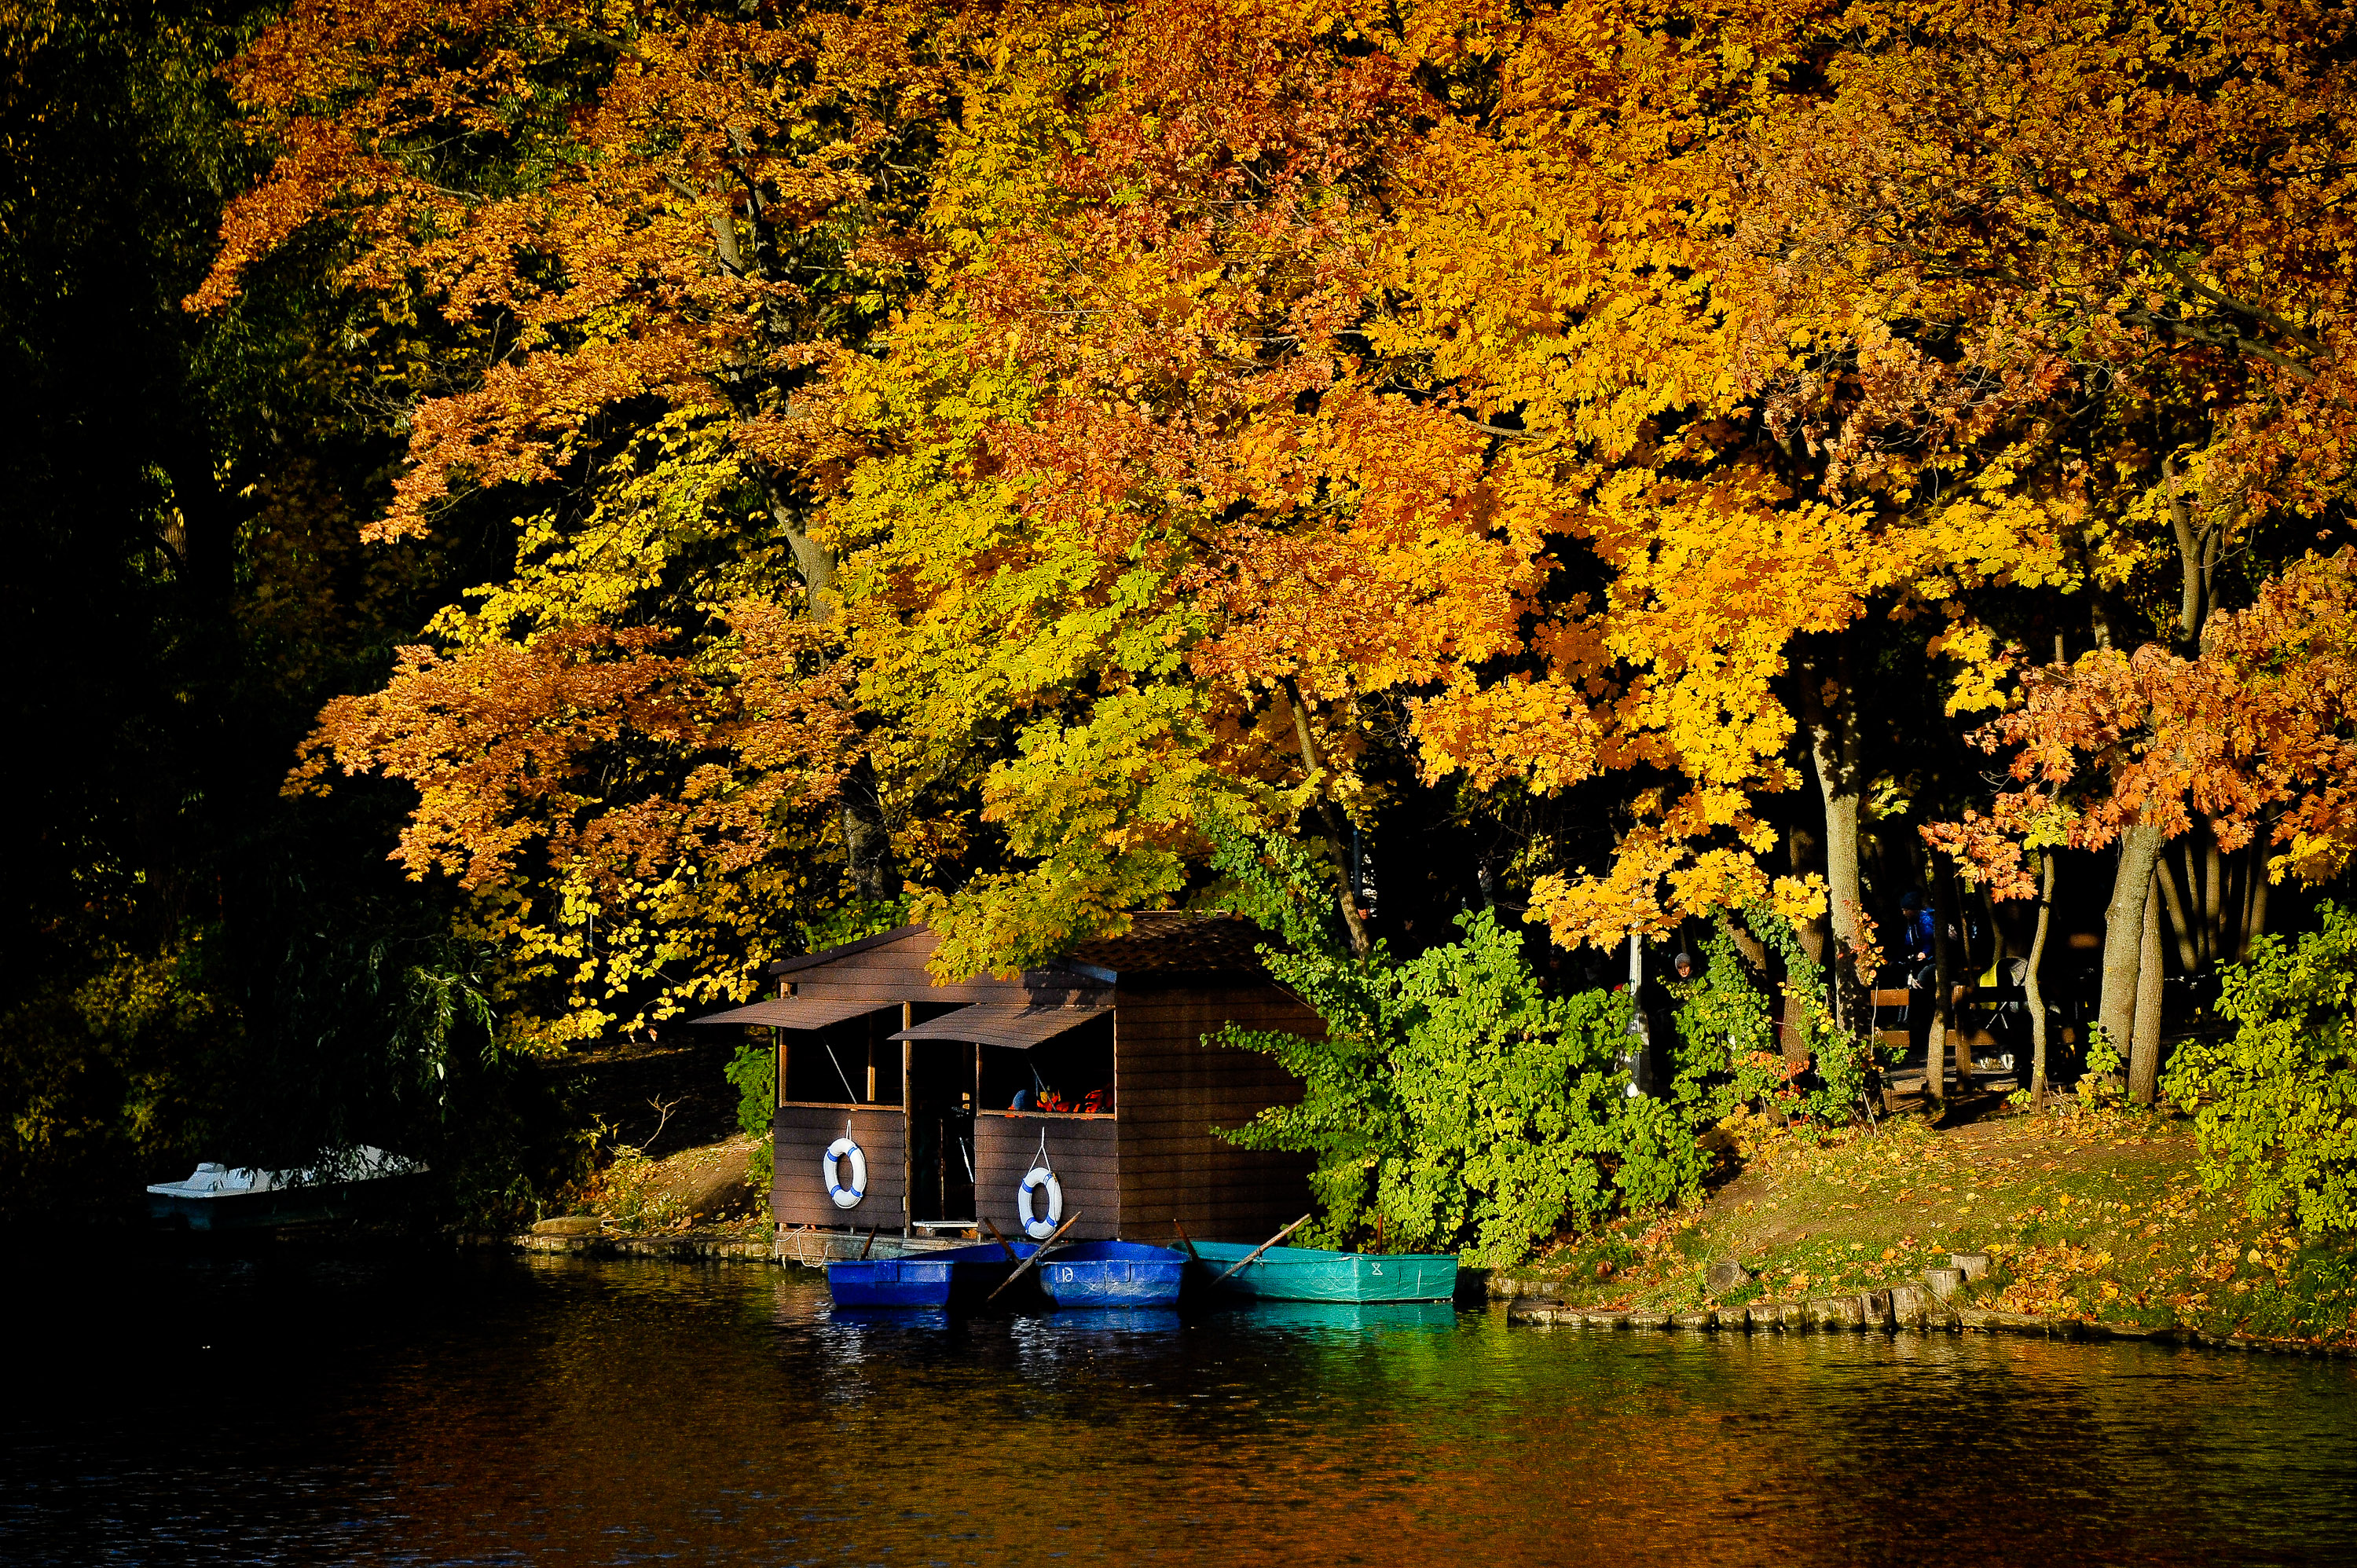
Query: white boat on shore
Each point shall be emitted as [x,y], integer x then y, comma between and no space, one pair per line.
[219,1197]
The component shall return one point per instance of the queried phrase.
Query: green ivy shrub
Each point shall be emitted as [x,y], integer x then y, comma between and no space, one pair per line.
[754,1070]
[1728,1054]
[1453,1105]
[2275,1105]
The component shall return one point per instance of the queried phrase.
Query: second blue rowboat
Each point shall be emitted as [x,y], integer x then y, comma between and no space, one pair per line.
[1113,1273]
[1306,1274]
[960,1274]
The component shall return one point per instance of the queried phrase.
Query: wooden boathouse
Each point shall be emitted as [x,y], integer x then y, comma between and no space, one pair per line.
[946,1089]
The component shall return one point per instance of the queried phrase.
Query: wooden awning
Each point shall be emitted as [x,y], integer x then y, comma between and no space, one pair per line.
[798,1011]
[1021,1024]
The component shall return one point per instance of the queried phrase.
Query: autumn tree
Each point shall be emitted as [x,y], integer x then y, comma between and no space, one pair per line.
[639,231]
[2124,233]
[2255,733]
[1132,481]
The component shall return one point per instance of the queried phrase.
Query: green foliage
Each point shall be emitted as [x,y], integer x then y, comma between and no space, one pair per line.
[754,1071]
[2276,1104]
[854,919]
[1453,1104]
[2101,1055]
[105,1071]
[1276,882]
[1727,1050]
[1726,1040]
[631,1193]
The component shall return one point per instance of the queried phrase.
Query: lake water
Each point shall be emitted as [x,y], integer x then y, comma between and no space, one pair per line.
[290,1406]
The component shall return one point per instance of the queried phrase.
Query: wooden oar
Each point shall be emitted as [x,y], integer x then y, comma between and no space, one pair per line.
[871,1244]
[1011,1255]
[1024,1267]
[1184,1240]
[1264,1246]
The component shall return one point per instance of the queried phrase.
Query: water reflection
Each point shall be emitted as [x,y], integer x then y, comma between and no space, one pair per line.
[297,1407]
[1106,1322]
[1331,1318]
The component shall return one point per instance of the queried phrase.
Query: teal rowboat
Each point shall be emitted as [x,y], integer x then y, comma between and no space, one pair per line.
[1305,1273]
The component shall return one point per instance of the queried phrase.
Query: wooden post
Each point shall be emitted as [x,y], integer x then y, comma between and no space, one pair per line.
[778,1043]
[907,1117]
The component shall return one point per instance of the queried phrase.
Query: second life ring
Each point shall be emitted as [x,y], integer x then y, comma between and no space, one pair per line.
[844,1197]
[1034,1180]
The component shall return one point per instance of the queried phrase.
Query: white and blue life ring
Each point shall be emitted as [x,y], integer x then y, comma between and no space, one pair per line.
[1034,1180]
[844,1197]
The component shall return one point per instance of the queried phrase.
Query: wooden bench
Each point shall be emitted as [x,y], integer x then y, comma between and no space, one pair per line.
[1990,997]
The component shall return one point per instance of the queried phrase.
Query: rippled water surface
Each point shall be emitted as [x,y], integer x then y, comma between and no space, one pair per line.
[292,1407]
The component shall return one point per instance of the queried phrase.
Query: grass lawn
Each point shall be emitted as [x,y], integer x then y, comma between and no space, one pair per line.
[2097,1214]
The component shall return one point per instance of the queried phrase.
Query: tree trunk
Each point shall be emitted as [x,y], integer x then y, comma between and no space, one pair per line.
[2212,899]
[2254,916]
[1829,709]
[2034,997]
[867,838]
[866,835]
[2180,905]
[1352,921]
[2124,933]
[1944,986]
[813,560]
[1959,976]
[2144,1057]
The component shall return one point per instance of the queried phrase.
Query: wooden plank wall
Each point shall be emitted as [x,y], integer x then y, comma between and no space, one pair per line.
[1084,1152]
[798,1196]
[1171,1090]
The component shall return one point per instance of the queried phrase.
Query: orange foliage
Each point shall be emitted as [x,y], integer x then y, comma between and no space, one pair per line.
[1109,379]
[2262,725]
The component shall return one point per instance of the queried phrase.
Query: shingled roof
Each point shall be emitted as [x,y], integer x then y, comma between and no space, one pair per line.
[1174,943]
[1159,943]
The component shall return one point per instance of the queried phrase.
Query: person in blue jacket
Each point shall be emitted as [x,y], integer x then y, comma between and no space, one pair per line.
[1915,923]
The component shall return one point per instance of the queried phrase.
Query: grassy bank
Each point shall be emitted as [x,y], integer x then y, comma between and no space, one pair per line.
[2094,1214]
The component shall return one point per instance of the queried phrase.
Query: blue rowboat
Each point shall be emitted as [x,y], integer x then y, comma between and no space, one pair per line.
[1306,1274]
[1113,1273]
[959,1274]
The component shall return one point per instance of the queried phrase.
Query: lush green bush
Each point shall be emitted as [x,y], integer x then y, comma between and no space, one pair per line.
[754,1071]
[1453,1103]
[2276,1104]
[1728,1054]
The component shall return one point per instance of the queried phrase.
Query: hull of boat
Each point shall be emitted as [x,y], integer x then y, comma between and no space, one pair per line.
[1113,1275]
[1305,1273]
[953,1276]
[890,1282]
[280,1206]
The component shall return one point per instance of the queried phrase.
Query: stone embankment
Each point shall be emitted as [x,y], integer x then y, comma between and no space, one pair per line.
[586,1236]
[1935,1306]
